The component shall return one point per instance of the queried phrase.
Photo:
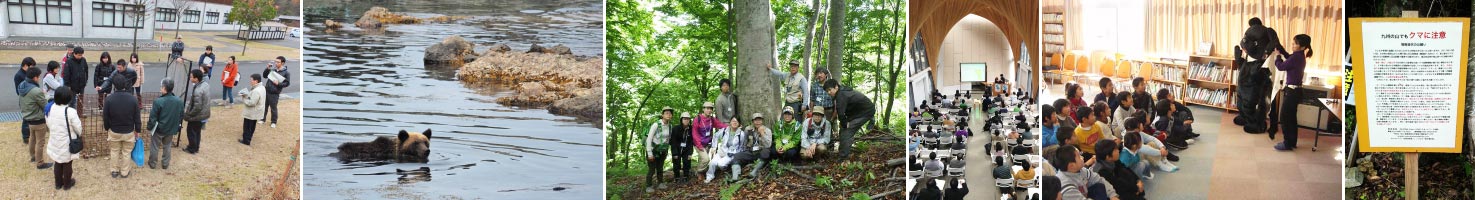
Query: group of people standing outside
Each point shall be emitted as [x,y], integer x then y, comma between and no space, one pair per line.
[51,106]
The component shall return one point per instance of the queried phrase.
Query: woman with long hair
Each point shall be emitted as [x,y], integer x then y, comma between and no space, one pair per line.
[1294,65]
[101,72]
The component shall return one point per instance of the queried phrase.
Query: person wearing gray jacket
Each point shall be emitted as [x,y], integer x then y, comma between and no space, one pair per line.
[727,102]
[196,109]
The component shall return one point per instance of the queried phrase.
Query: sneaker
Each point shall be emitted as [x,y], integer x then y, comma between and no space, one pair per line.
[709,179]
[273,125]
[43,166]
[648,189]
[1239,121]
[1166,166]
[115,174]
[1147,175]
[1190,141]
[1282,147]
[1172,157]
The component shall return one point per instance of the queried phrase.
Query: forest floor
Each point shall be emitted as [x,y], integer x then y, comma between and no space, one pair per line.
[866,174]
[1441,176]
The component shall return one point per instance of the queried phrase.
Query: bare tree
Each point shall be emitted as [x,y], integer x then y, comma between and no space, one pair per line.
[179,7]
[140,12]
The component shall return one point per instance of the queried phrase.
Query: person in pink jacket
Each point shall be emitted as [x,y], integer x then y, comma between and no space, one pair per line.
[703,126]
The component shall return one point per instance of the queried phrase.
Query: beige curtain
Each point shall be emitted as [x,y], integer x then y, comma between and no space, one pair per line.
[1178,26]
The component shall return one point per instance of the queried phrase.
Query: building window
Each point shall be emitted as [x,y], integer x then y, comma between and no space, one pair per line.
[191,16]
[226,18]
[212,18]
[53,12]
[166,14]
[115,15]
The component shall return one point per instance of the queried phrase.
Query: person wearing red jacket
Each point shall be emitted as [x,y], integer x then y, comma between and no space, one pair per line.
[228,78]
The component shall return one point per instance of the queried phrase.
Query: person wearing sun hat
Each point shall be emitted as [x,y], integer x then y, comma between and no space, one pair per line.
[703,124]
[793,86]
[680,142]
[816,133]
[786,136]
[703,133]
[759,144]
[656,149]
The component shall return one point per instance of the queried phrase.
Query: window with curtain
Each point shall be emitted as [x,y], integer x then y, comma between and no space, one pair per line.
[191,16]
[114,15]
[1110,25]
[166,14]
[212,17]
[50,12]
[1179,26]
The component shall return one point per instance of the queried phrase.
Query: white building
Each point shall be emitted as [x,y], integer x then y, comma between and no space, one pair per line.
[106,19]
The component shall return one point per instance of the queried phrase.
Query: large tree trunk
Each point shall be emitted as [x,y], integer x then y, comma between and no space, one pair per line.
[757,89]
[837,39]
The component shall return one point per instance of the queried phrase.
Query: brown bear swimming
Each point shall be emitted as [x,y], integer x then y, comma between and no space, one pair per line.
[409,147]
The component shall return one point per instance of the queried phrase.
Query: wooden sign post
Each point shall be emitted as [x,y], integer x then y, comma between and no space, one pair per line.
[1410,87]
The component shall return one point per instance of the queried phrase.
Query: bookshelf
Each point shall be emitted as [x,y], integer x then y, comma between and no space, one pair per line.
[1053,23]
[1211,81]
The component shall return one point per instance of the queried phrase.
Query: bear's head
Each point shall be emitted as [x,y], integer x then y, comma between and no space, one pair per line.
[413,147]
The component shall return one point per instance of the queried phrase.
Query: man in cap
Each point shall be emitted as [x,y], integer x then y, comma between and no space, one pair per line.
[794,85]
[816,133]
[760,143]
[655,150]
[176,49]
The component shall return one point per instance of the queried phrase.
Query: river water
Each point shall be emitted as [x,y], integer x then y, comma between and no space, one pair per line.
[371,84]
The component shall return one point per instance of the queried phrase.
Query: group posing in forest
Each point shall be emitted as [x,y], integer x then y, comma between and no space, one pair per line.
[51,99]
[718,137]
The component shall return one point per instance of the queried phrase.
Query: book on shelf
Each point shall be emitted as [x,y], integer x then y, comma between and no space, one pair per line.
[1175,90]
[1053,18]
[1209,71]
[1216,97]
[1054,28]
[1168,73]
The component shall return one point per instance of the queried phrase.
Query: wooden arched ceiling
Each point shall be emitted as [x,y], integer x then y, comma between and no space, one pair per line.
[932,19]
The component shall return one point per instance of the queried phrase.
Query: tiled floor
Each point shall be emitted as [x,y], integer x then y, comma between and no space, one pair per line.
[1227,163]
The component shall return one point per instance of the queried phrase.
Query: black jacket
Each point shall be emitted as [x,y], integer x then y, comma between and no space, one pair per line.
[681,134]
[852,105]
[120,113]
[957,193]
[930,193]
[1120,177]
[101,73]
[76,74]
[275,89]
